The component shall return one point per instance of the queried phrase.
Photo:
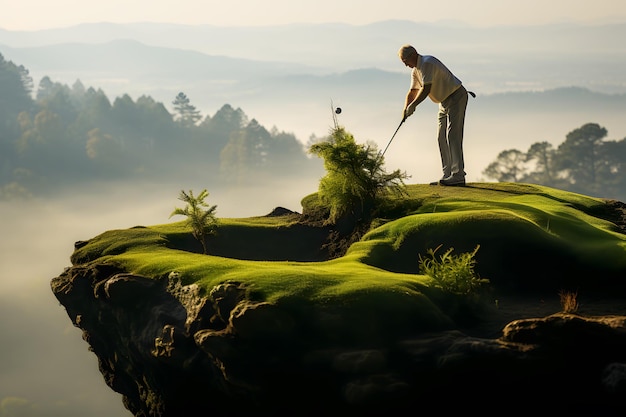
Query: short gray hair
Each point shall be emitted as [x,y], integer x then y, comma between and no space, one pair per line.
[407,51]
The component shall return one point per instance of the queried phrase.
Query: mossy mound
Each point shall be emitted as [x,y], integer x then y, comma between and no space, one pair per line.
[530,238]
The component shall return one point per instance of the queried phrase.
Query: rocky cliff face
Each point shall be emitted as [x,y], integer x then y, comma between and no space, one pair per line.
[170,350]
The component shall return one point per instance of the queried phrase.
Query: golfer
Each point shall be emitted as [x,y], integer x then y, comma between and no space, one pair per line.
[431,78]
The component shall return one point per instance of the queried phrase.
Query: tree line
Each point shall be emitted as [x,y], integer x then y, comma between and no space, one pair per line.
[585,163]
[59,135]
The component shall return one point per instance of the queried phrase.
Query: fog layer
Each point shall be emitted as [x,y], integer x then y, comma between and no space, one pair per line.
[46,368]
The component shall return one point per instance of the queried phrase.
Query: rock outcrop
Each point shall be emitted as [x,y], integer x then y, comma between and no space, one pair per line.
[169,350]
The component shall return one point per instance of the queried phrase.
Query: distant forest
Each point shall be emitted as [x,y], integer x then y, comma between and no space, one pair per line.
[585,163]
[70,135]
[58,136]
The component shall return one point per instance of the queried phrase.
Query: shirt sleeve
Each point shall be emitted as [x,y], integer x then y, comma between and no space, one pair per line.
[416,79]
[428,72]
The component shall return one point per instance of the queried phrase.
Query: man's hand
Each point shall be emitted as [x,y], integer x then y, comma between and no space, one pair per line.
[409,110]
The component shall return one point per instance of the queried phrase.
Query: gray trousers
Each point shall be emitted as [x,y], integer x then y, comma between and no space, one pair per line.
[450,132]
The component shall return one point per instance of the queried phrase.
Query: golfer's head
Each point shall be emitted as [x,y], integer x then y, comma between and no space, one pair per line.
[408,55]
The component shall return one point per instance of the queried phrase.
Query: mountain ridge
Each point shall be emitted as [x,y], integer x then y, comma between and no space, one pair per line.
[288,77]
[492,52]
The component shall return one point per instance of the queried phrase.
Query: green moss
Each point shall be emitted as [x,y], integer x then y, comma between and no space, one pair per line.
[528,236]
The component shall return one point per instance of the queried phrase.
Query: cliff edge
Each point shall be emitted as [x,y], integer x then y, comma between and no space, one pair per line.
[232,342]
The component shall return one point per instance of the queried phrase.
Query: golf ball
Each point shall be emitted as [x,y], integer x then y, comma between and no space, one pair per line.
[338,110]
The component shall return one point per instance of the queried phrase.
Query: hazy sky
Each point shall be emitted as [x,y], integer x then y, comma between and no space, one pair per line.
[45,14]
[46,368]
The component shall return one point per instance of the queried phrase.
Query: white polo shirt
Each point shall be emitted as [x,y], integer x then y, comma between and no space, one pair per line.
[429,70]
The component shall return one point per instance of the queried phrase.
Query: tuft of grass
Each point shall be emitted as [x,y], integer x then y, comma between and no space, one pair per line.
[569,301]
[454,274]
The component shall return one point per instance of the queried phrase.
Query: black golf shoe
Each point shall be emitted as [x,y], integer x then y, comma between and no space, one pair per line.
[453,180]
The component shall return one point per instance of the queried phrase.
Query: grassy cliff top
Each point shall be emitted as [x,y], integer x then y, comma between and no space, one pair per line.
[526,237]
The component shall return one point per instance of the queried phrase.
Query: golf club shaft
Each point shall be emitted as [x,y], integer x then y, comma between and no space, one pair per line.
[394,135]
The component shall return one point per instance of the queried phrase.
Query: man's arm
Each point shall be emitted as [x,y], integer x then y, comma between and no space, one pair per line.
[413,98]
[410,96]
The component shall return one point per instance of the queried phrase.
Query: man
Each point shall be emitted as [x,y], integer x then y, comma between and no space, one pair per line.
[431,78]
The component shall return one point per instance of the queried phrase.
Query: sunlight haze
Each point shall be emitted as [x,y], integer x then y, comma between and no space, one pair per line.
[43,14]
[540,70]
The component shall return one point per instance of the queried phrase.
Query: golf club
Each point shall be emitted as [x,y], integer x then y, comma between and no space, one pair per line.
[394,135]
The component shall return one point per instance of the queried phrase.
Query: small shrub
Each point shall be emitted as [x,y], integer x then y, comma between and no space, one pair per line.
[202,222]
[356,181]
[453,274]
[569,302]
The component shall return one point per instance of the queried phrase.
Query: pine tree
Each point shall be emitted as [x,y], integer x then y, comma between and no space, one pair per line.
[203,222]
[187,113]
